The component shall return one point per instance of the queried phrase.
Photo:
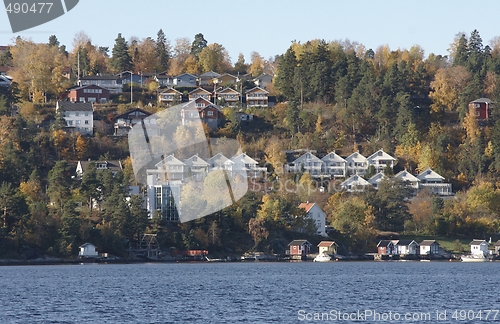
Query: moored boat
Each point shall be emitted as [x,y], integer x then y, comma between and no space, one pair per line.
[323,257]
[474,258]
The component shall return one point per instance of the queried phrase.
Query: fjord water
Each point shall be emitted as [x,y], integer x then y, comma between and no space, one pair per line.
[255,292]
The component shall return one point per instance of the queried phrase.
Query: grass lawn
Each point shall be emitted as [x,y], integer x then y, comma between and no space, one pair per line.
[446,243]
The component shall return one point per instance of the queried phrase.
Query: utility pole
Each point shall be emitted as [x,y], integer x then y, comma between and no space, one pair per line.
[131,96]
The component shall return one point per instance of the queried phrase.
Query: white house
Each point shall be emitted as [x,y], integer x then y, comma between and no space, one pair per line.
[429,247]
[245,164]
[407,176]
[380,160]
[220,162]
[197,167]
[432,181]
[356,164]
[404,247]
[355,184]
[307,162]
[376,179]
[317,215]
[479,247]
[79,116]
[334,165]
[113,166]
[87,250]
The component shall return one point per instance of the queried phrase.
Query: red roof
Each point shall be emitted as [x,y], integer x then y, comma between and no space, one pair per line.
[307,206]
[326,243]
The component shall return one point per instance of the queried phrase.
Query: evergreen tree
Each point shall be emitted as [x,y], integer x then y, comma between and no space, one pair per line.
[461,52]
[285,74]
[120,60]
[162,50]
[53,41]
[199,43]
[292,116]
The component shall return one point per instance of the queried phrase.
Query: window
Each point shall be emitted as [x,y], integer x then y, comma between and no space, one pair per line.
[210,113]
[86,114]
[78,122]
[70,122]
[77,114]
[86,122]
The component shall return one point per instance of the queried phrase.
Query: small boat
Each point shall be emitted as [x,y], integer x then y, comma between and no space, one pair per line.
[474,258]
[323,257]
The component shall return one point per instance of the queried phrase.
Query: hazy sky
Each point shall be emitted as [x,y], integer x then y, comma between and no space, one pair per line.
[268,27]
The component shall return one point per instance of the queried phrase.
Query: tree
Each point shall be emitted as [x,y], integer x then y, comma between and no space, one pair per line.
[213,58]
[285,73]
[257,65]
[120,60]
[53,41]
[199,43]
[448,84]
[240,66]
[181,52]
[69,229]
[59,183]
[162,50]
[354,218]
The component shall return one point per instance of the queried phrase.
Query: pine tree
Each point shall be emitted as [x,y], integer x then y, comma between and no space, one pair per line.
[120,60]
[199,43]
[162,50]
[285,74]
[461,52]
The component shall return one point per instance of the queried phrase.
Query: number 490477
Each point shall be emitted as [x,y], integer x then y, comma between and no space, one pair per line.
[40,7]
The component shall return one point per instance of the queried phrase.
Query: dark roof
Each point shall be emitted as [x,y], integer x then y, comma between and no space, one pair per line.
[384,243]
[125,114]
[405,242]
[100,77]
[299,242]
[477,242]
[428,242]
[111,165]
[87,86]
[76,106]
[486,100]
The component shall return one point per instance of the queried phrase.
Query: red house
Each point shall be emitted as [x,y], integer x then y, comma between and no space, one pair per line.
[386,247]
[483,107]
[299,248]
[89,93]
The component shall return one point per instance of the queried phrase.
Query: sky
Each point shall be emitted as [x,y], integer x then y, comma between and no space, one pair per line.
[269,27]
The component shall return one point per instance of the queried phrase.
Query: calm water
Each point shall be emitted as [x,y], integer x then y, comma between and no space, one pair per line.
[245,292]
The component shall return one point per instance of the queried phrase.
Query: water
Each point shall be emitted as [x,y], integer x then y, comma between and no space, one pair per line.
[255,292]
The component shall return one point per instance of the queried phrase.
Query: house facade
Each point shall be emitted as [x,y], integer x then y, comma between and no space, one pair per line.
[226,80]
[334,165]
[381,160]
[169,97]
[114,166]
[79,116]
[328,247]
[407,247]
[386,247]
[208,78]
[479,247]
[87,250]
[185,80]
[315,213]
[263,80]
[429,247]
[306,162]
[89,93]
[299,248]
[483,108]
[109,82]
[355,183]
[356,164]
[125,121]
[430,180]
[257,97]
[200,93]
[230,96]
